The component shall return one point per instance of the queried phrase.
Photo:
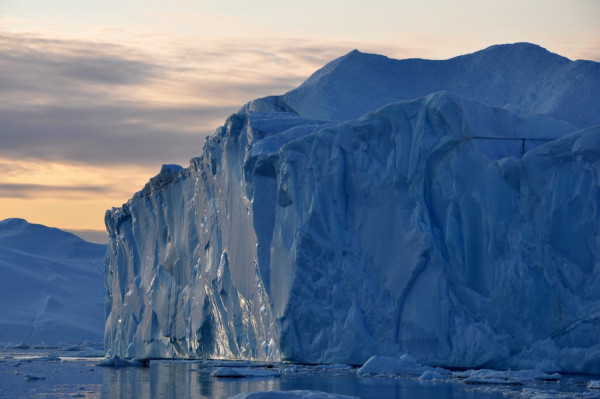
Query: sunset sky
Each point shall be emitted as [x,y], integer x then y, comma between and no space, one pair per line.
[97,95]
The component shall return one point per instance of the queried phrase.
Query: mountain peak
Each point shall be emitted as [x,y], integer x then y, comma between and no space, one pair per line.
[19,234]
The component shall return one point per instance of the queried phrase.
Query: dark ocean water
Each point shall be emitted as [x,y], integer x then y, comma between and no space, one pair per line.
[32,374]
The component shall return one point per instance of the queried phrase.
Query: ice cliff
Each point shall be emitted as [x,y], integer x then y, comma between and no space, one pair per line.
[448,209]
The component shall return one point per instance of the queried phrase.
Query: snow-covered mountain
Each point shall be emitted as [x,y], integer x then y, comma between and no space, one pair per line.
[448,209]
[52,286]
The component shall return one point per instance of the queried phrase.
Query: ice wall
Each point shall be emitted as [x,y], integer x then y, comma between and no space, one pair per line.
[464,234]
[182,270]
[401,236]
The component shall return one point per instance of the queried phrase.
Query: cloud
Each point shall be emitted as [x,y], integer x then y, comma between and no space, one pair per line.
[44,70]
[15,190]
[103,135]
[102,103]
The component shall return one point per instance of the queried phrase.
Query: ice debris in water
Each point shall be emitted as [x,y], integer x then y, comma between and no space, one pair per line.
[533,393]
[430,375]
[295,394]
[594,384]
[119,362]
[406,365]
[519,377]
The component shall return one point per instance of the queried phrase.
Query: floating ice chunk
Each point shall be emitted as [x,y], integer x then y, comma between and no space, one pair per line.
[391,366]
[485,376]
[241,372]
[297,394]
[119,362]
[532,393]
[594,384]
[388,366]
[227,372]
[430,376]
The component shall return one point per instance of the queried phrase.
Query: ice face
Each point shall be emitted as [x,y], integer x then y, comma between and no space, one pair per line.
[462,233]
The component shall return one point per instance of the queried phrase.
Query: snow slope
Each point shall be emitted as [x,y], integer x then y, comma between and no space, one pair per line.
[51,289]
[522,77]
[368,213]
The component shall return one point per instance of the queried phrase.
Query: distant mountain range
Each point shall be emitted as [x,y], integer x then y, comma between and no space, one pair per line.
[51,286]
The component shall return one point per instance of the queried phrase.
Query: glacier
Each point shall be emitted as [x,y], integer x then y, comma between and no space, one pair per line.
[447,209]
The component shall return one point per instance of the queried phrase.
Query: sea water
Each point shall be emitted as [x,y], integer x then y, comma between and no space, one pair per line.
[42,374]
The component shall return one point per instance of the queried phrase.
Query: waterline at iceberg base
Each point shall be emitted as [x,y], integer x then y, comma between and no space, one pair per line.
[452,214]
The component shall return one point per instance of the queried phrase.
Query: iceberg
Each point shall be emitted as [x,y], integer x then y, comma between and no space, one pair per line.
[446,209]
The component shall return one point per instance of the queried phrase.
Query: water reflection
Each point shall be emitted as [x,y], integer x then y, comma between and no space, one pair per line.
[173,379]
[126,383]
[179,379]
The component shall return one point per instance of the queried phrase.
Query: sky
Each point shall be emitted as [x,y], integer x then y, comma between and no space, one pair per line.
[97,95]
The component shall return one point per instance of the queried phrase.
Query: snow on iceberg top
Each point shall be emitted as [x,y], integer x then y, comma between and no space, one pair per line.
[522,77]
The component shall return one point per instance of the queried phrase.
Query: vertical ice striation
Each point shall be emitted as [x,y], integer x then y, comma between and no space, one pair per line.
[464,232]
[182,272]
